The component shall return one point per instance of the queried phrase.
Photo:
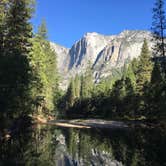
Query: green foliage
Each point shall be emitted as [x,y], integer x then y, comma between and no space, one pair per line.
[118,90]
[159,28]
[156,74]
[70,95]
[105,85]
[144,68]
[28,72]
[134,65]
[138,91]
[19,29]
[44,65]
[28,68]
[15,71]
[42,30]
[80,89]
[84,87]
[129,74]
[73,91]
[156,92]
[87,83]
[77,82]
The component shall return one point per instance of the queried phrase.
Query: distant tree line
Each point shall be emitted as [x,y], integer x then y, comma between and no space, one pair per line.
[140,93]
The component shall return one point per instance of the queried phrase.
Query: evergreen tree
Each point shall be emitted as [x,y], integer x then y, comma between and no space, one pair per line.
[83,89]
[70,95]
[129,86]
[129,100]
[118,94]
[156,97]
[104,86]
[144,69]
[156,93]
[134,65]
[119,89]
[42,30]
[89,78]
[19,29]
[129,74]
[159,28]
[156,74]
[15,69]
[87,83]
[77,86]
[46,82]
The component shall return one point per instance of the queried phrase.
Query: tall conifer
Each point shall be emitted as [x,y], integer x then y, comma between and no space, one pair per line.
[159,28]
[144,68]
[16,71]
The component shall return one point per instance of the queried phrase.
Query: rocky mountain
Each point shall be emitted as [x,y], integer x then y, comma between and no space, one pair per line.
[102,52]
[62,57]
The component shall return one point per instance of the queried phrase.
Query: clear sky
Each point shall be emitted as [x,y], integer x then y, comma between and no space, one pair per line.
[68,20]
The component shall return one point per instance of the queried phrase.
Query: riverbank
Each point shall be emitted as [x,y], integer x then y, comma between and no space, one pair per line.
[81,123]
[89,123]
[99,123]
[20,124]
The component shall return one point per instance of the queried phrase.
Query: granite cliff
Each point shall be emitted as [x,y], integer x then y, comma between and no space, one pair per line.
[102,52]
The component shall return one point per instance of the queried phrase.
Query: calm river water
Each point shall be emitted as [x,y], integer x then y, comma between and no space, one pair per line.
[52,146]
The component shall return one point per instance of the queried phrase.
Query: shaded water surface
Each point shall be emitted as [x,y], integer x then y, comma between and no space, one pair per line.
[49,145]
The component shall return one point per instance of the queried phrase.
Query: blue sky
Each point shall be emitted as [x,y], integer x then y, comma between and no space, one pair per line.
[68,20]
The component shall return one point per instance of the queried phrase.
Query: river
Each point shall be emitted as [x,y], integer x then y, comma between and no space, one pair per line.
[46,145]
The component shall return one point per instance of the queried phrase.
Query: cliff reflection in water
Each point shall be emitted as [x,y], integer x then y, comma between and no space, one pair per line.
[43,145]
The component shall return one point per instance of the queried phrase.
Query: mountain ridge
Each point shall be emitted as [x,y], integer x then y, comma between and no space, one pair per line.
[103,53]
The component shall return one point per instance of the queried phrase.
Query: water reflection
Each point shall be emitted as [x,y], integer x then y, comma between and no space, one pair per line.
[48,145]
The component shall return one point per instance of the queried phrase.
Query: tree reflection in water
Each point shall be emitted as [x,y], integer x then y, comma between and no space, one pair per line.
[48,145]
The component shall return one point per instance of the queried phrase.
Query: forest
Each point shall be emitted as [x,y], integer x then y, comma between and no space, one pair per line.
[29,78]
[137,92]
[28,72]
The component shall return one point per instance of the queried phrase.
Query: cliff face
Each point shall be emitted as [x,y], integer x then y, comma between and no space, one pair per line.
[62,57]
[87,49]
[103,52]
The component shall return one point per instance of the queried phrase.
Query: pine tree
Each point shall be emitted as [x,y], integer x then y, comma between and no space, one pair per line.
[70,95]
[77,86]
[19,29]
[15,70]
[52,75]
[118,94]
[156,97]
[83,89]
[144,69]
[89,80]
[129,73]
[134,65]
[156,77]
[159,28]
[129,100]
[44,65]
[42,30]
[87,84]
[156,93]
[118,90]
